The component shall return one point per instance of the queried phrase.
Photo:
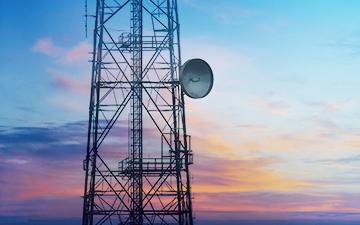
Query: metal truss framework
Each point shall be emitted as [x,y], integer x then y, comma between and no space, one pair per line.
[135,78]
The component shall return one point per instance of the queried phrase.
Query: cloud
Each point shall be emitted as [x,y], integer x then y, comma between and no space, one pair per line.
[47,164]
[34,211]
[216,174]
[76,54]
[46,46]
[355,158]
[292,205]
[70,72]
[79,52]
[312,140]
[314,135]
[67,82]
[320,122]
[41,172]
[44,141]
[257,201]
[332,106]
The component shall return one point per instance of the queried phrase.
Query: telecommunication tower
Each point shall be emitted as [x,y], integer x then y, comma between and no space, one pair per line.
[137,88]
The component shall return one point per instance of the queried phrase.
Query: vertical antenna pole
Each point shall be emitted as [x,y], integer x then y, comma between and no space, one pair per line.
[86,18]
[137,124]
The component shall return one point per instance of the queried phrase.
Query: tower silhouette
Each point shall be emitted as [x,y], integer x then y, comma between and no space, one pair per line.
[138,151]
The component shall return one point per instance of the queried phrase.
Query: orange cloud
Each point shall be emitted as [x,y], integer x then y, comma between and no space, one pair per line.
[39,179]
[221,137]
[214,175]
[279,204]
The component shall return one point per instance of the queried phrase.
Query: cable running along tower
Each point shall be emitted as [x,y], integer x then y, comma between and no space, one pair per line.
[138,151]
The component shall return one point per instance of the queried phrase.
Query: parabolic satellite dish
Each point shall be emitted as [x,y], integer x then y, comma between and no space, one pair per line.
[196,78]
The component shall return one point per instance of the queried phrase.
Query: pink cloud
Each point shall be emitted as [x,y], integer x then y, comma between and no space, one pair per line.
[76,54]
[79,52]
[66,82]
[50,173]
[67,59]
[47,47]
[29,181]
[284,205]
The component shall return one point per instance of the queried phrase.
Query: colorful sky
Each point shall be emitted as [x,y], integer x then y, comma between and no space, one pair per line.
[278,138]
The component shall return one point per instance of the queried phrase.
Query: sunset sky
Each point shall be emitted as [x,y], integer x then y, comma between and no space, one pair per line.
[277,139]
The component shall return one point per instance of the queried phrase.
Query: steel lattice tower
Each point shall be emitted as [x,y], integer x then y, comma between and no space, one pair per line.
[142,178]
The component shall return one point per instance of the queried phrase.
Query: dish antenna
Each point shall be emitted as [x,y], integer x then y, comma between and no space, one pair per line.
[196,78]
